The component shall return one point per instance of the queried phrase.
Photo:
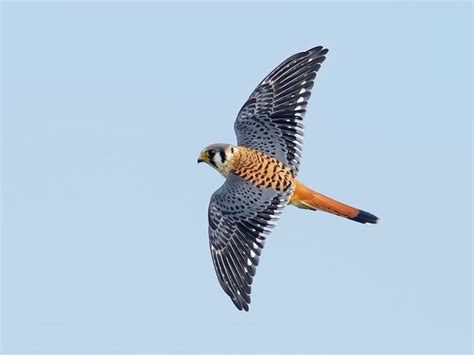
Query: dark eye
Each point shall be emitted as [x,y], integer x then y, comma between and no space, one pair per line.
[212,153]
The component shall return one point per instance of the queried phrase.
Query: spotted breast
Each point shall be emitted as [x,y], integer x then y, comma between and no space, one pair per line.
[261,170]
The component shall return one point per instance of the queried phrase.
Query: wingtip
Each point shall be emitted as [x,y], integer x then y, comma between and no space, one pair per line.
[320,50]
[241,306]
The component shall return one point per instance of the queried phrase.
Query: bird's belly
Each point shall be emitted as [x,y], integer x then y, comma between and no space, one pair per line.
[263,171]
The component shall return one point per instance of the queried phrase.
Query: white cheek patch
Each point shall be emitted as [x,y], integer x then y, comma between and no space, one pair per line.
[217,159]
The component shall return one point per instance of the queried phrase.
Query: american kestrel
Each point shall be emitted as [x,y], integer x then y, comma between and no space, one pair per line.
[261,171]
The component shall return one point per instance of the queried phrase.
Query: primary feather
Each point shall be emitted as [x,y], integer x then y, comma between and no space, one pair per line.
[271,120]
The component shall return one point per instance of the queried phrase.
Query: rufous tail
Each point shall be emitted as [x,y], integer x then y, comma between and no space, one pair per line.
[304,197]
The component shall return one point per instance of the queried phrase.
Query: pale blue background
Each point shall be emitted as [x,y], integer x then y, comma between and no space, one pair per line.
[105,107]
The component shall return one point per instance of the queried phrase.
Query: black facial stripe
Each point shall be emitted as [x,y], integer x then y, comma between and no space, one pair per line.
[222,156]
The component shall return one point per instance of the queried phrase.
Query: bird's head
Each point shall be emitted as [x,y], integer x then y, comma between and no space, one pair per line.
[218,156]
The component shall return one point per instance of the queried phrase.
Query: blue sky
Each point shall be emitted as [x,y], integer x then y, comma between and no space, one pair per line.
[105,107]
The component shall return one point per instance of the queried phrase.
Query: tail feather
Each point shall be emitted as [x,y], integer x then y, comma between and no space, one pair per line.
[365,217]
[303,197]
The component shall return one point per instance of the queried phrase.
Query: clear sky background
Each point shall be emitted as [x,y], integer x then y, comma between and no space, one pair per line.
[105,107]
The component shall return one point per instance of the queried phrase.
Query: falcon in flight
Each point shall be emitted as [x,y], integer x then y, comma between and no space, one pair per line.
[260,173]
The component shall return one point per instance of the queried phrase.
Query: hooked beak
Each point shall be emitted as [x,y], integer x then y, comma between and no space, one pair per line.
[203,158]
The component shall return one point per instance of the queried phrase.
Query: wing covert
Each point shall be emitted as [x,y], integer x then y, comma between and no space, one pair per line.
[240,216]
[271,120]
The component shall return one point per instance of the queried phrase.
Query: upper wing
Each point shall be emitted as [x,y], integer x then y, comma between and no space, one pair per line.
[240,215]
[271,119]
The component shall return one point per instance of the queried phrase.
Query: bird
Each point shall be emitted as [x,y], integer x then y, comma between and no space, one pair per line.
[260,174]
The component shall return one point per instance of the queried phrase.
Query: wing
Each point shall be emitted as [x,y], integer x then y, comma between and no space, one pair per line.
[240,216]
[271,119]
